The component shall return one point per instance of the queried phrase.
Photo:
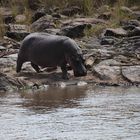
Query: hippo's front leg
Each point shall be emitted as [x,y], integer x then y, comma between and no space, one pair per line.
[64,71]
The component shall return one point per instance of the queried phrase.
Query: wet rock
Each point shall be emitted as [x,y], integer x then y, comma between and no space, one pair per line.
[105,71]
[8,83]
[71,11]
[43,23]
[17,32]
[132,73]
[38,14]
[82,83]
[118,32]
[74,31]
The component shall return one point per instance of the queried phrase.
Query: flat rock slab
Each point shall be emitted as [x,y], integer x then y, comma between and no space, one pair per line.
[105,71]
[132,73]
[43,23]
[118,32]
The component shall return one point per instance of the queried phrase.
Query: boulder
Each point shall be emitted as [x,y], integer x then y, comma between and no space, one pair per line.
[106,71]
[17,32]
[118,32]
[38,14]
[76,27]
[134,32]
[132,73]
[43,23]
[74,31]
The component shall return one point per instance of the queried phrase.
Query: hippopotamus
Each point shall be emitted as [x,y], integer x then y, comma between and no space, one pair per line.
[46,50]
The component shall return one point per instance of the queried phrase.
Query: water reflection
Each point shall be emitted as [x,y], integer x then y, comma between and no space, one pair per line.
[73,113]
[53,98]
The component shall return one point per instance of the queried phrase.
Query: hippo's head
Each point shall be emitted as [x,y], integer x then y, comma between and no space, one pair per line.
[77,64]
[75,58]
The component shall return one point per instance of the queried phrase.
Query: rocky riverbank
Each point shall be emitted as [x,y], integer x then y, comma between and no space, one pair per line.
[112,56]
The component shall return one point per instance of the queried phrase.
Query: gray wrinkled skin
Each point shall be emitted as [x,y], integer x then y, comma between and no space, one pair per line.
[46,50]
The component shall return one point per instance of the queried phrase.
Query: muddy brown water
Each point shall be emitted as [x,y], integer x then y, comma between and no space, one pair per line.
[71,113]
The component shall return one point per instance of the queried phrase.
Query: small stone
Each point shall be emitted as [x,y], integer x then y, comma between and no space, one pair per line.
[81,83]
[20,18]
[89,62]
[62,84]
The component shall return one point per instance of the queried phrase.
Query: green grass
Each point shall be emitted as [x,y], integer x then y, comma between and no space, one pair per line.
[89,8]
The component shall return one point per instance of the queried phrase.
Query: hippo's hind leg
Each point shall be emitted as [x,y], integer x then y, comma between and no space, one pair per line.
[37,69]
[64,71]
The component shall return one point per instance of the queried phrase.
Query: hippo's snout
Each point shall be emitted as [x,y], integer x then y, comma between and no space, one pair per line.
[80,74]
[80,71]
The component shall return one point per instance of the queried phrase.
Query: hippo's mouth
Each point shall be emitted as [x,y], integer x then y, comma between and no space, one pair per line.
[80,74]
[77,64]
[79,70]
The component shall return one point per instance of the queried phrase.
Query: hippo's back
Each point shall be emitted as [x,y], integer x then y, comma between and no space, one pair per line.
[43,49]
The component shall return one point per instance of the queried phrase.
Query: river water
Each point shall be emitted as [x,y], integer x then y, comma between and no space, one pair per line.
[71,113]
